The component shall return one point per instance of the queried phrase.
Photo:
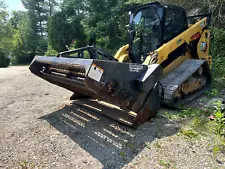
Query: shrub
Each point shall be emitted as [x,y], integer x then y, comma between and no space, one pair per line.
[4,61]
[218,52]
[218,47]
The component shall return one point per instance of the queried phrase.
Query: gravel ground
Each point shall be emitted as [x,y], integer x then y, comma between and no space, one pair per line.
[41,128]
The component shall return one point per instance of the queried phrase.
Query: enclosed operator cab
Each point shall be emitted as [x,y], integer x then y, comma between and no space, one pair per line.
[151,25]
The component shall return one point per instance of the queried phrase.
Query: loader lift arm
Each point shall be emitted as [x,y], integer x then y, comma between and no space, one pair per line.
[91,53]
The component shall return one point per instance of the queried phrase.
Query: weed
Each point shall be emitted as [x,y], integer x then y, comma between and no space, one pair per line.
[203,99]
[215,149]
[218,128]
[219,118]
[171,116]
[32,165]
[166,164]
[219,146]
[50,126]
[212,93]
[123,155]
[218,105]
[24,164]
[200,124]
[157,145]
[131,146]
[193,113]
[148,145]
[190,133]
[186,113]
[27,165]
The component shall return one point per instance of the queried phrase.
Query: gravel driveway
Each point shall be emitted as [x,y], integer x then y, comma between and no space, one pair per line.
[41,128]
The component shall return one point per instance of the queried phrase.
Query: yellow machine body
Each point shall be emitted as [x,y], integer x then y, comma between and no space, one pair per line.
[162,53]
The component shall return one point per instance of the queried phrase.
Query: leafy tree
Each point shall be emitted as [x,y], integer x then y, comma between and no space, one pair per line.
[22,51]
[5,36]
[106,19]
[51,52]
[55,25]
[51,6]
[38,13]
[65,27]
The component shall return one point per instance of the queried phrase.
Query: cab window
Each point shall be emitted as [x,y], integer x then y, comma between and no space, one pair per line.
[175,23]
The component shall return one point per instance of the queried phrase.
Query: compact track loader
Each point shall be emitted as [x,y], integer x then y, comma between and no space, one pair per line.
[166,63]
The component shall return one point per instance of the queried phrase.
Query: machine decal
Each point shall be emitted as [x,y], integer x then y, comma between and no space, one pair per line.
[95,72]
[135,67]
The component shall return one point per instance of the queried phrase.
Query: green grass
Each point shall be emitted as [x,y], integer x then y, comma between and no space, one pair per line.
[157,145]
[24,164]
[167,164]
[123,155]
[218,74]
[195,124]
[130,146]
[186,113]
[199,125]
[219,118]
[190,133]
[212,93]
[27,165]
[217,127]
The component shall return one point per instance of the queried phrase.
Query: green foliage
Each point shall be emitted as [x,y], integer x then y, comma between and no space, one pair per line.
[35,43]
[219,118]
[123,155]
[27,165]
[218,49]
[166,164]
[131,147]
[21,50]
[51,52]
[200,124]
[5,35]
[190,133]
[101,21]
[157,145]
[107,23]
[22,35]
[63,31]
[216,149]
[218,145]
[213,93]
[4,61]
[218,52]
[73,23]
[148,145]
[191,112]
[186,113]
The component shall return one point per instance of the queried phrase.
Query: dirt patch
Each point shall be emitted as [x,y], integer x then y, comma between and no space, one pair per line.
[41,128]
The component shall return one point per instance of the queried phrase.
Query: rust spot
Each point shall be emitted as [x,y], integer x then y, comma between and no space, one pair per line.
[144,116]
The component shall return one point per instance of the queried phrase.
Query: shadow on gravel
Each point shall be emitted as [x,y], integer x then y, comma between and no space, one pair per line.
[113,144]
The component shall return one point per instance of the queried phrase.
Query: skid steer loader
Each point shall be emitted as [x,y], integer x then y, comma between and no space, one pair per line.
[166,63]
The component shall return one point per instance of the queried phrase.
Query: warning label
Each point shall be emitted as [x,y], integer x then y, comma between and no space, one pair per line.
[95,73]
